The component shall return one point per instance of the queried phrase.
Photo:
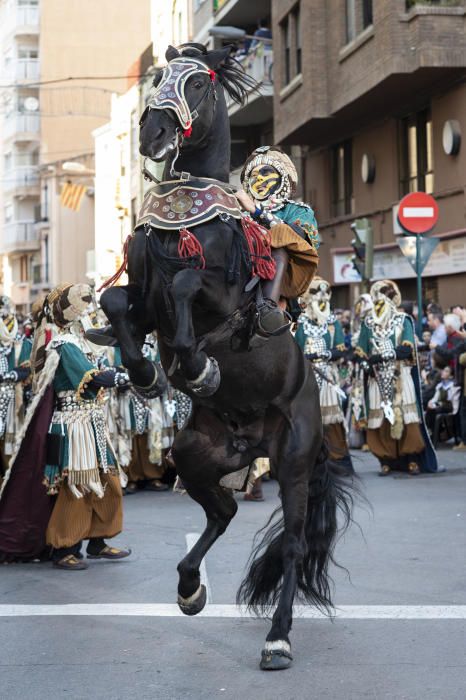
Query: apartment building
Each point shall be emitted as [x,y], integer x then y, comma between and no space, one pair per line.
[46,136]
[19,144]
[251,124]
[374,92]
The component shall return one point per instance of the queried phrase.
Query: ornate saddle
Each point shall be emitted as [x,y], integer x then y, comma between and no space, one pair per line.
[177,204]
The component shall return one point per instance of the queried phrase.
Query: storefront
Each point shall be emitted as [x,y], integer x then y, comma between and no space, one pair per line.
[444,277]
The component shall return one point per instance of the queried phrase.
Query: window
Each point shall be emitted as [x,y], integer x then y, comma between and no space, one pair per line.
[286,41]
[367,18]
[416,153]
[28,3]
[134,138]
[297,26]
[7,161]
[291,45]
[23,269]
[8,213]
[359,16]
[342,178]
[350,20]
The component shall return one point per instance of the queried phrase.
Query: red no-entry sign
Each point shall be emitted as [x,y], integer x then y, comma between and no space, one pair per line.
[418,212]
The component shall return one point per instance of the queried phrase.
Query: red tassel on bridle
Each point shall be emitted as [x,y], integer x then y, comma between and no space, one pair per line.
[188,131]
[122,269]
[189,247]
[260,249]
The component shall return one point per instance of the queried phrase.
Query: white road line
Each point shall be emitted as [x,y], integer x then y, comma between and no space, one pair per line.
[191,539]
[344,612]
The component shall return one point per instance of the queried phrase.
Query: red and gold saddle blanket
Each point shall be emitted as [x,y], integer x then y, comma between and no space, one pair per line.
[181,204]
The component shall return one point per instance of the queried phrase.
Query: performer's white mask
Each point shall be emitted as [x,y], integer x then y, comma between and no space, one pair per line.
[318,301]
[384,307]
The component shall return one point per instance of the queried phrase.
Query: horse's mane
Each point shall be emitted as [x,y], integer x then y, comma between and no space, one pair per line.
[230,72]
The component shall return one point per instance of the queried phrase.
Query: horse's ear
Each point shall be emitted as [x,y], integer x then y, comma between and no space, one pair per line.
[215,59]
[171,53]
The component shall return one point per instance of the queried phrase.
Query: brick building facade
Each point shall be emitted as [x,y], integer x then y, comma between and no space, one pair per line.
[370,90]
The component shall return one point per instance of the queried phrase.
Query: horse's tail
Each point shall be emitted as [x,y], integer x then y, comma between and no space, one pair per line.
[331,491]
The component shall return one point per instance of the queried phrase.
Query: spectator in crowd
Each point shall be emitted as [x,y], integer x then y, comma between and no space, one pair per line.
[436,325]
[462,412]
[460,311]
[443,398]
[449,349]
[430,378]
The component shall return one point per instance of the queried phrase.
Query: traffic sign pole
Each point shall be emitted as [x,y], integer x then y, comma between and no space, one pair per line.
[419,286]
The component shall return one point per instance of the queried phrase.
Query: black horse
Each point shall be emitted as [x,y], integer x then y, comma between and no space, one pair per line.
[248,401]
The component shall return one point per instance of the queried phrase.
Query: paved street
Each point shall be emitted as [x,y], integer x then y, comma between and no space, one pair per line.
[409,551]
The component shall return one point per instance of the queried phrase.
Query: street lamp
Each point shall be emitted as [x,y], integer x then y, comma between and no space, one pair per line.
[235,34]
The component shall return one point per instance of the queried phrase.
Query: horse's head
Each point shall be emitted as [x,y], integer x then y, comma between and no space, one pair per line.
[187,94]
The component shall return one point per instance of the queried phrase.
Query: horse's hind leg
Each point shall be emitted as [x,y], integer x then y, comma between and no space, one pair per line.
[294,489]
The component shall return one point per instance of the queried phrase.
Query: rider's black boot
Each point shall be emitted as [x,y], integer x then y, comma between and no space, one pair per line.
[271,319]
[101,336]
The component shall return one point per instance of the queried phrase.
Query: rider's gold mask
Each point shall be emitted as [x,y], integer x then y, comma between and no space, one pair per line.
[264,181]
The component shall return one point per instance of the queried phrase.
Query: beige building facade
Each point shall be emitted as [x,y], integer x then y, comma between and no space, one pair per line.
[96,44]
[119,183]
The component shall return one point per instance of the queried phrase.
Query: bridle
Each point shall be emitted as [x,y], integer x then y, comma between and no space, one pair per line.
[170,92]
[170,95]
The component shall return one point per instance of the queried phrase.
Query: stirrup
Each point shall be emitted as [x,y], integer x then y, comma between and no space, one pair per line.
[272,306]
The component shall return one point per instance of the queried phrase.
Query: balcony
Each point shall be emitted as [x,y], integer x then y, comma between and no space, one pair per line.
[258,63]
[19,237]
[22,180]
[240,13]
[21,126]
[22,20]
[23,69]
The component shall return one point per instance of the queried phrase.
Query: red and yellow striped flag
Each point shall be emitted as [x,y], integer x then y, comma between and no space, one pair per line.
[71,195]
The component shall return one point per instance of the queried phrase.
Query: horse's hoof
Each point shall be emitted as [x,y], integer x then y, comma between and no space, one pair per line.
[195,603]
[276,656]
[208,381]
[156,388]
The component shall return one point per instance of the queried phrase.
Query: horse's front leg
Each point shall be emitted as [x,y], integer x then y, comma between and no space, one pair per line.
[147,377]
[200,371]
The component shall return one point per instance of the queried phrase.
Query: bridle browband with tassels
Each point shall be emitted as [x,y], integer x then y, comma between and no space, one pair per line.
[170,92]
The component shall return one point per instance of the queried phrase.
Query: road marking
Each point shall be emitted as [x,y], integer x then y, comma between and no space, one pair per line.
[415,212]
[191,539]
[344,612]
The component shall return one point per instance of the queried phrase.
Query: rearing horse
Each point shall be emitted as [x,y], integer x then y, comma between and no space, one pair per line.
[249,400]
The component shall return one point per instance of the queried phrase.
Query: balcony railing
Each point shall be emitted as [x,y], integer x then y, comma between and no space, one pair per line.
[23,176]
[20,159]
[434,3]
[21,124]
[19,235]
[23,69]
[258,63]
[22,19]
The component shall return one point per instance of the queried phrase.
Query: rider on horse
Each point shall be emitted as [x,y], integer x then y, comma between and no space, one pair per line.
[269,179]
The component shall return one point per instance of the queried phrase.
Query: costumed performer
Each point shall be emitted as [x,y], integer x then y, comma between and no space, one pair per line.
[396,430]
[321,338]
